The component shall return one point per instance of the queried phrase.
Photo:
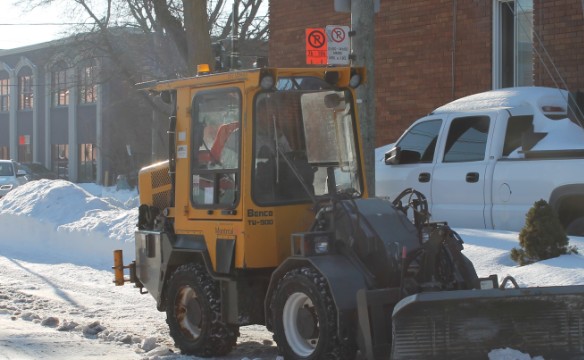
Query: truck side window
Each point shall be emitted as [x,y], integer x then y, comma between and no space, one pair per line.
[467,139]
[516,127]
[215,138]
[421,139]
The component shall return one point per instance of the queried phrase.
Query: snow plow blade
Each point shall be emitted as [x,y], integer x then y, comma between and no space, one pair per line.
[468,324]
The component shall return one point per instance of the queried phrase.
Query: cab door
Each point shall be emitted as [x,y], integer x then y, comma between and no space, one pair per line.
[213,166]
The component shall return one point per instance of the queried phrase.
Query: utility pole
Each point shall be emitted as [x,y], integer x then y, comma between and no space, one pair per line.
[234,58]
[363,54]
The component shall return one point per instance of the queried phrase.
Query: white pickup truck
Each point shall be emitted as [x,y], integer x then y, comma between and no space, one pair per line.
[483,160]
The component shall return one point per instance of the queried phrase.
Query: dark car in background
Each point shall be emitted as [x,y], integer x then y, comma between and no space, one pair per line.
[36,171]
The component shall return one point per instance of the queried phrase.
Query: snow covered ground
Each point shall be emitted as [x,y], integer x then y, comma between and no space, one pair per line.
[57,299]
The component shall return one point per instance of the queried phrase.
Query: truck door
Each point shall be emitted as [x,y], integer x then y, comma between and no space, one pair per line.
[459,179]
[417,158]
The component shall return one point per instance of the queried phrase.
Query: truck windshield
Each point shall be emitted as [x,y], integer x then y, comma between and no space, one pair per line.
[299,133]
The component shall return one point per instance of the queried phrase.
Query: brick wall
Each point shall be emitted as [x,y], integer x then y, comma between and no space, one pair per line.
[414,52]
[560,26]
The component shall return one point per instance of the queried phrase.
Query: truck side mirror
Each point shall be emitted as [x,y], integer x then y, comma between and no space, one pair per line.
[392,156]
[398,156]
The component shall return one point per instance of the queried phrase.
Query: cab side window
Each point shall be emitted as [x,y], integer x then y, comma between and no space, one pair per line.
[215,139]
[419,144]
[467,139]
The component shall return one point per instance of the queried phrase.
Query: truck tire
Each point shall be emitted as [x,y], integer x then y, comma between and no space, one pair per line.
[304,318]
[576,227]
[193,314]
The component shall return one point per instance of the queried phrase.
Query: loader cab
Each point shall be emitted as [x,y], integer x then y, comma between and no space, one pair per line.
[304,130]
[254,152]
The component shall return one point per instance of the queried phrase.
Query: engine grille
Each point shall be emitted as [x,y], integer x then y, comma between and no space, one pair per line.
[160,178]
[161,200]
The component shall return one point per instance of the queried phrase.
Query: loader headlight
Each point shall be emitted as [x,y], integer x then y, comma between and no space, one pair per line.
[267,82]
[355,81]
[425,234]
[321,244]
[491,282]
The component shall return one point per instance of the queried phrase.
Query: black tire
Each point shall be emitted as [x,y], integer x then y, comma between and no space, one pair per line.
[576,227]
[305,319]
[193,314]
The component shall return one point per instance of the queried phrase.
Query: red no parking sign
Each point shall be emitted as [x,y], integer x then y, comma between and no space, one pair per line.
[316,46]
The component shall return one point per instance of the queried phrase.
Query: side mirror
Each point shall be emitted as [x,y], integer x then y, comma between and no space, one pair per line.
[397,156]
[392,156]
[20,173]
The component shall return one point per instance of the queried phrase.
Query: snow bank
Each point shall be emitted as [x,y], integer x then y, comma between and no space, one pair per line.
[60,217]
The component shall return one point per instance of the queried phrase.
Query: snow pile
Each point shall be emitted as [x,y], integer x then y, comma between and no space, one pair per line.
[61,217]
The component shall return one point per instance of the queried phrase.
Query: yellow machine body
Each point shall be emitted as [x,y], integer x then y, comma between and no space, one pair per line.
[260,233]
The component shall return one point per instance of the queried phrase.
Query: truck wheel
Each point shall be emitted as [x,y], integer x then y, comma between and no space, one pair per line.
[193,314]
[304,318]
[576,227]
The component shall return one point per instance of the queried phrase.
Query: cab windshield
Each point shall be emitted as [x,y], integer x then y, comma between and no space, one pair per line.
[304,134]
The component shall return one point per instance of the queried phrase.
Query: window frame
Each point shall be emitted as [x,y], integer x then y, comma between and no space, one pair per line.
[88,84]
[516,76]
[4,94]
[25,92]
[59,89]
[216,175]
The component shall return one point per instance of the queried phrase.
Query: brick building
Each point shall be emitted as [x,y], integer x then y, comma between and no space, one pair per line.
[429,52]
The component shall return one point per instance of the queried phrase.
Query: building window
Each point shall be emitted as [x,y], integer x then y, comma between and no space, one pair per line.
[25,99]
[24,148]
[60,88]
[60,160]
[87,85]
[4,95]
[512,43]
[87,163]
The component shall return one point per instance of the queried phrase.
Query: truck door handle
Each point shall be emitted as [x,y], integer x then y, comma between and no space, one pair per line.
[472,177]
[424,177]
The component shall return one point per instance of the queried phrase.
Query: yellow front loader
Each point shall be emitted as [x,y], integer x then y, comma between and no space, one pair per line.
[261,215]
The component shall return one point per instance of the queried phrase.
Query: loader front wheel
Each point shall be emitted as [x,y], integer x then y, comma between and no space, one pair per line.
[304,318]
[193,314]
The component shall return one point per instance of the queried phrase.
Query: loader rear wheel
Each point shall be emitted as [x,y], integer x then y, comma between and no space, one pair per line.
[193,314]
[304,318]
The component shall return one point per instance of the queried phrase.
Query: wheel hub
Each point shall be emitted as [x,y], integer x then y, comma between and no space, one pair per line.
[300,324]
[307,323]
[189,312]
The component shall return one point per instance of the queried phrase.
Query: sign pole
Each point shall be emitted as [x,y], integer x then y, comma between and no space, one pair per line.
[363,54]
